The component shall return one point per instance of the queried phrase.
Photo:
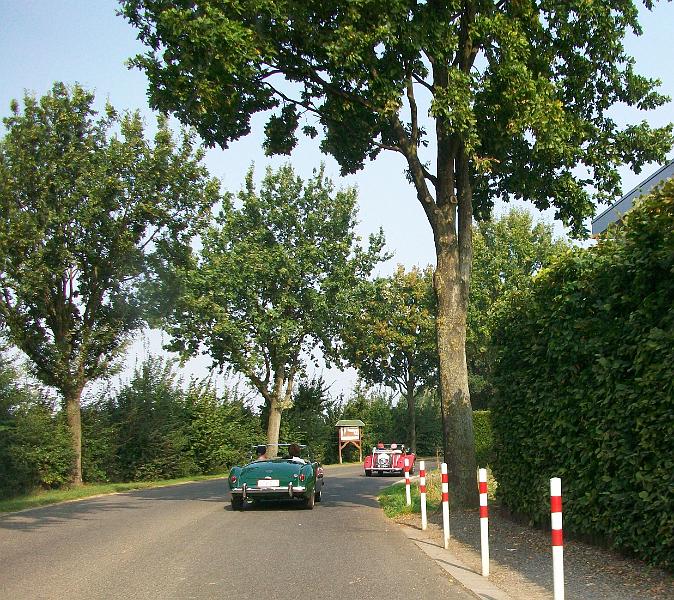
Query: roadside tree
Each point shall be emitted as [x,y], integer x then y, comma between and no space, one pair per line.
[507,253]
[391,338]
[518,96]
[273,283]
[90,210]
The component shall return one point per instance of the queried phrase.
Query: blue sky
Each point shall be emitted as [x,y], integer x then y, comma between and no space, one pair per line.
[42,41]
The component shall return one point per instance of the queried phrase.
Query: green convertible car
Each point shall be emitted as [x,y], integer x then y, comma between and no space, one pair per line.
[290,475]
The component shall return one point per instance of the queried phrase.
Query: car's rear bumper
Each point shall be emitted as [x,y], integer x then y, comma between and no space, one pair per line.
[288,491]
[384,470]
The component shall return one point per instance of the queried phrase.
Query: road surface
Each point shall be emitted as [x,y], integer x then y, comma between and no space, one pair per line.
[185,542]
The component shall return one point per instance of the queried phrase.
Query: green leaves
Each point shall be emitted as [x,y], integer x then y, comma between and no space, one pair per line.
[91,211]
[584,380]
[273,279]
[391,334]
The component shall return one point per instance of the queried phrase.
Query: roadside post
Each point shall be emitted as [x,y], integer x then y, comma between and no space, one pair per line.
[408,495]
[484,522]
[422,494]
[557,538]
[445,503]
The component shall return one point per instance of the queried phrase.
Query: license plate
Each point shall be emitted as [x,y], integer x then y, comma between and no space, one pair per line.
[267,483]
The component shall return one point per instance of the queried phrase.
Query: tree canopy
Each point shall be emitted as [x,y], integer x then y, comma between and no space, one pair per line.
[508,252]
[90,209]
[273,282]
[518,97]
[391,337]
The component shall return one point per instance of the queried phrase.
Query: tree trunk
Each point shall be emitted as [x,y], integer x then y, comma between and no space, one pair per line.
[411,417]
[451,280]
[274,426]
[73,413]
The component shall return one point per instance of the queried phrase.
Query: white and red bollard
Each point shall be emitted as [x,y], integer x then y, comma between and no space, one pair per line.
[422,494]
[408,495]
[484,521]
[557,538]
[445,503]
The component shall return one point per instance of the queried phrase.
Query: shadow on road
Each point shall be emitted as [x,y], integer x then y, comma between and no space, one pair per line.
[91,508]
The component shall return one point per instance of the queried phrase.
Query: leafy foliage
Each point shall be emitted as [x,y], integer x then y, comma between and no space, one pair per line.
[585,386]
[90,210]
[154,428]
[507,253]
[34,444]
[272,282]
[519,92]
[390,338]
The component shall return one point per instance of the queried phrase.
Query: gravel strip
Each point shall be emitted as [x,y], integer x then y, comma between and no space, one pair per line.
[521,561]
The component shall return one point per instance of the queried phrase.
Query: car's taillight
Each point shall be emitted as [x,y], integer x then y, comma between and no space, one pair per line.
[302,477]
[233,478]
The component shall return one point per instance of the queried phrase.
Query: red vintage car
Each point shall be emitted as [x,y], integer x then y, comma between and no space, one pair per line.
[388,459]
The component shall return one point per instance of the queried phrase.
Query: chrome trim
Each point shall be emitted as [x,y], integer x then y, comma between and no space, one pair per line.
[253,491]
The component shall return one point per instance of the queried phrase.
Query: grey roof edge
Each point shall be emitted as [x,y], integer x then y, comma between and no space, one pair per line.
[662,174]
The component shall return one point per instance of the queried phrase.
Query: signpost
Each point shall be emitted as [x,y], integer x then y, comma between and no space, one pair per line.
[350,433]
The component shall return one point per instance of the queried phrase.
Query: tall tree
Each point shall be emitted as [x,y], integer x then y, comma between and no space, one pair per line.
[89,208]
[518,94]
[272,283]
[507,253]
[391,338]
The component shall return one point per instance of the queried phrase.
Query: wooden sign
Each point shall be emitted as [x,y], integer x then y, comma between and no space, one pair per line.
[349,434]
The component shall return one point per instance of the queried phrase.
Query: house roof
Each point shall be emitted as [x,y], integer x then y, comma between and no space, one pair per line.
[616,211]
[350,423]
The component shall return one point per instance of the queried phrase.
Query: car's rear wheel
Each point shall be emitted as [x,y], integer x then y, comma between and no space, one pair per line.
[368,473]
[310,500]
[237,503]
[317,495]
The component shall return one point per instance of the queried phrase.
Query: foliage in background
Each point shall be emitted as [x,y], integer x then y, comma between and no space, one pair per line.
[390,337]
[156,428]
[507,252]
[585,387]
[484,441]
[35,450]
[311,420]
[89,210]
[272,282]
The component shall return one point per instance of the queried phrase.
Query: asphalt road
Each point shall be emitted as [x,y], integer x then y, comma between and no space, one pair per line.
[186,542]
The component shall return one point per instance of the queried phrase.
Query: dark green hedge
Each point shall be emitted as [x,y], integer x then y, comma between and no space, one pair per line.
[585,387]
[483,437]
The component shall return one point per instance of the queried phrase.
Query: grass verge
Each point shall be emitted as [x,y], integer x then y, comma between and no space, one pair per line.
[45,497]
[392,499]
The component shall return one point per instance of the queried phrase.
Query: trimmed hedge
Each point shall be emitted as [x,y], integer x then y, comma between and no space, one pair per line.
[585,387]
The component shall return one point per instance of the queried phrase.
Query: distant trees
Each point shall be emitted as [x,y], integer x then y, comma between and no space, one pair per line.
[89,210]
[508,252]
[272,283]
[391,340]
[155,427]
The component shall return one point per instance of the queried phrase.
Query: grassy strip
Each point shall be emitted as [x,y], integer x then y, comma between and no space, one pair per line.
[45,497]
[392,499]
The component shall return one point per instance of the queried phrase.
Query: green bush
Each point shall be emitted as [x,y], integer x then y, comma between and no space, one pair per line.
[35,450]
[584,382]
[483,437]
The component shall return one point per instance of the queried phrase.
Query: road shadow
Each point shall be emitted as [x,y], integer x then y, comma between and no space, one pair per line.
[58,514]
[90,508]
